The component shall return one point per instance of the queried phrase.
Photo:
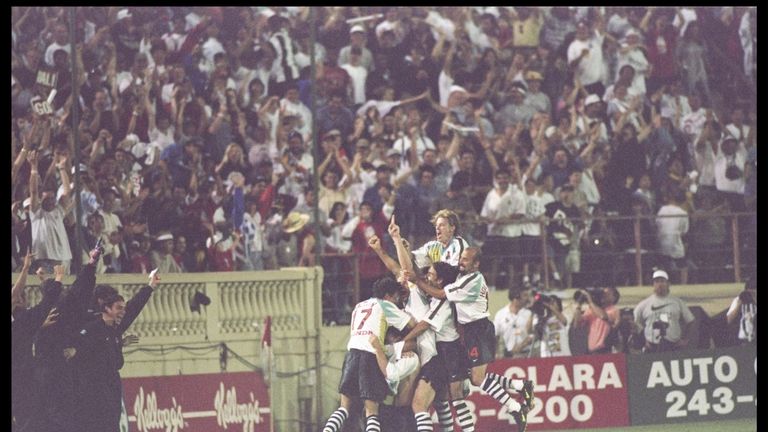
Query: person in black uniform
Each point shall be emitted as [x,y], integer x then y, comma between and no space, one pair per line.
[99,358]
[24,323]
[53,350]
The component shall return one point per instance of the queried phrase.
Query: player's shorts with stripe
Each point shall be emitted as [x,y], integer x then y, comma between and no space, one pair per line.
[480,341]
[361,377]
[454,356]
[435,374]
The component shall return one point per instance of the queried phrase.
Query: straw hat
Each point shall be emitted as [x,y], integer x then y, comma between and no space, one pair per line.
[294,222]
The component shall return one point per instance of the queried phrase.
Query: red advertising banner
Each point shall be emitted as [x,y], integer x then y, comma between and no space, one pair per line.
[198,403]
[570,393]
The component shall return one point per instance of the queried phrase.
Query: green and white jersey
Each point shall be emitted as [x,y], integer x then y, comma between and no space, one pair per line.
[433,251]
[373,317]
[470,294]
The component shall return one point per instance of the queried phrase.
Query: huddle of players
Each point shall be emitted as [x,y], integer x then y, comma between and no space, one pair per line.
[415,353]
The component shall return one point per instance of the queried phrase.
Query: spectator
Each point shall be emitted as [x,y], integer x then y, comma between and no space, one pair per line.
[692,56]
[50,242]
[661,39]
[513,324]
[357,39]
[553,326]
[744,307]
[666,319]
[535,97]
[601,315]
[359,230]
[162,255]
[671,225]
[585,57]
[632,53]
[503,208]
[563,230]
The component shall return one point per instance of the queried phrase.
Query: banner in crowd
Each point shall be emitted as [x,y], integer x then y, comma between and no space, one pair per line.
[198,403]
[696,385]
[570,392]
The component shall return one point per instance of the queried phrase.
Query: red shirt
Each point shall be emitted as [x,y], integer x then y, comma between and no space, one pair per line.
[661,52]
[369,264]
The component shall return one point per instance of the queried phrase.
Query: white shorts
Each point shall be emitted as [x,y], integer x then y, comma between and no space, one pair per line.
[399,369]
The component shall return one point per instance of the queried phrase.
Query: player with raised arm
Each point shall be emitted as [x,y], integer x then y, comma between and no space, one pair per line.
[447,246]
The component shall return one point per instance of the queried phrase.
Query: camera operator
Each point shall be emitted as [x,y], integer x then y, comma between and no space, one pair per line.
[661,315]
[550,326]
[626,337]
[745,307]
[513,324]
[601,315]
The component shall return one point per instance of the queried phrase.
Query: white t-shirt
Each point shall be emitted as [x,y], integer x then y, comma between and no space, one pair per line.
[554,340]
[511,327]
[669,230]
[591,68]
[747,320]
[373,317]
[535,206]
[470,294]
[722,183]
[511,202]
[358,74]
[423,142]
[49,237]
[444,84]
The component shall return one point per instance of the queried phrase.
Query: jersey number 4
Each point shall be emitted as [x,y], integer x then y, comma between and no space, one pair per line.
[367,313]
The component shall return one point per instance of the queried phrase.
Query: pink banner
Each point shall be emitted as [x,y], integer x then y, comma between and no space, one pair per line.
[570,393]
[198,403]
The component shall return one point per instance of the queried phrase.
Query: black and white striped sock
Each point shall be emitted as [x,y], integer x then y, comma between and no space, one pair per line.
[507,383]
[464,416]
[336,421]
[423,422]
[492,388]
[444,416]
[372,424]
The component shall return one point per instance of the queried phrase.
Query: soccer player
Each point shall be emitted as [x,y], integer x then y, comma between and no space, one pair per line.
[447,246]
[360,376]
[470,295]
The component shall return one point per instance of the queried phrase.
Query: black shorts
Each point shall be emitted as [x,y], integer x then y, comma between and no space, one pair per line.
[454,356]
[532,249]
[361,377]
[480,340]
[435,374]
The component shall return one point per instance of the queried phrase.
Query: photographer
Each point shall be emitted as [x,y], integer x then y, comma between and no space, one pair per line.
[513,324]
[602,315]
[550,326]
[661,315]
[744,307]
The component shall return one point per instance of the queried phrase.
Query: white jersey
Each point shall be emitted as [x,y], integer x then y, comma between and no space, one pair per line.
[441,320]
[434,251]
[418,307]
[470,294]
[373,317]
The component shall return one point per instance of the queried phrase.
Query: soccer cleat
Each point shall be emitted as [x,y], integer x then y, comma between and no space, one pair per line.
[521,418]
[527,393]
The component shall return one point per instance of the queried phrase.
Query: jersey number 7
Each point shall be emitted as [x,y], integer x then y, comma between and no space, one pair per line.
[367,313]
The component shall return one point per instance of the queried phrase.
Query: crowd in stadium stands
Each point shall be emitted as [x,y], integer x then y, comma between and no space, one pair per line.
[195,128]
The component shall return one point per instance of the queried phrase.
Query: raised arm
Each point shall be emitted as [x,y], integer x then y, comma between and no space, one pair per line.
[390,263]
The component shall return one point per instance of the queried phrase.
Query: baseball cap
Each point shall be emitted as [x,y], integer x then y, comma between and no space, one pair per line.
[393,152]
[519,87]
[26,203]
[660,274]
[550,131]
[332,132]
[593,98]
[357,28]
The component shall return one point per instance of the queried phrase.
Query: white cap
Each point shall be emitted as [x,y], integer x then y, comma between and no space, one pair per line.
[593,98]
[357,28]
[393,151]
[457,88]
[550,131]
[166,236]
[123,13]
[27,202]
[660,274]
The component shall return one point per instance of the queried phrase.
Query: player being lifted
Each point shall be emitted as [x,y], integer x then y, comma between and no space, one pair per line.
[470,295]
[447,246]
[361,377]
